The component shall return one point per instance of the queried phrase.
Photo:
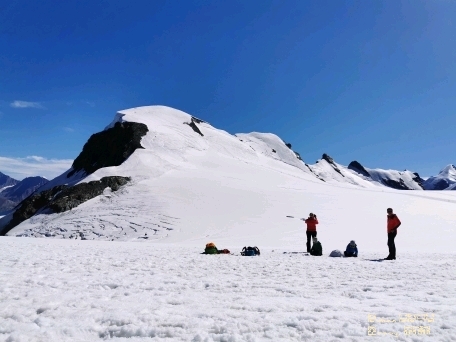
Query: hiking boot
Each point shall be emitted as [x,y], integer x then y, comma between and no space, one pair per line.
[390,258]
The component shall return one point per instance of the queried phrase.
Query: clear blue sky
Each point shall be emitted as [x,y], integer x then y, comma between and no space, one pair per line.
[373,81]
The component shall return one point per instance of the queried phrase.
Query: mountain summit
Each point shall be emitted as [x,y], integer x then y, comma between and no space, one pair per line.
[445,180]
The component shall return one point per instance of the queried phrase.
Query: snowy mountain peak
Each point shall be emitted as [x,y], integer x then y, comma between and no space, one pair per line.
[445,180]
[448,171]
[6,181]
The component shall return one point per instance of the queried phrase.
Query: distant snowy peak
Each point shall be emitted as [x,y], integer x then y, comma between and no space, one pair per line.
[356,174]
[23,189]
[445,180]
[6,181]
[401,180]
[12,195]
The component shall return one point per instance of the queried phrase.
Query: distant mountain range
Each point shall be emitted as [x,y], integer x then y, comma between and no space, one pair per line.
[328,170]
[12,191]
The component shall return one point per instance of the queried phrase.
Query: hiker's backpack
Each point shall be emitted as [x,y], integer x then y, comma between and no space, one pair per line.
[336,254]
[316,249]
[250,251]
[210,249]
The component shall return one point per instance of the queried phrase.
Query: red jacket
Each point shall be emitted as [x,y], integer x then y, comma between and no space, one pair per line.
[311,224]
[392,223]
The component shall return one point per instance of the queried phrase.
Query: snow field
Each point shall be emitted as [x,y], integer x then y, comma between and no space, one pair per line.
[67,290]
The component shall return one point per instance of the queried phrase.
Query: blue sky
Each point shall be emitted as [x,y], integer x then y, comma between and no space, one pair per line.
[373,81]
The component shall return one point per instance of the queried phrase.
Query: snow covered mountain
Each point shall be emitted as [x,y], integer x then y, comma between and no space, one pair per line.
[329,171]
[159,174]
[6,181]
[16,191]
[445,180]
[23,189]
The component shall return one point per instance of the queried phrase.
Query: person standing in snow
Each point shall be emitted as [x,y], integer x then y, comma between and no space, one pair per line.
[311,231]
[393,223]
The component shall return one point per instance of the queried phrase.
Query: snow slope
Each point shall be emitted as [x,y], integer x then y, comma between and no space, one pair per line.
[56,290]
[190,189]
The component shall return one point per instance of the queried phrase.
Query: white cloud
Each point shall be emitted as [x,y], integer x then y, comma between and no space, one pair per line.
[26,104]
[68,129]
[20,168]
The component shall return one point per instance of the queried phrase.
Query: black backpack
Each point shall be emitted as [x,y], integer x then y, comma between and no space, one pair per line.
[250,251]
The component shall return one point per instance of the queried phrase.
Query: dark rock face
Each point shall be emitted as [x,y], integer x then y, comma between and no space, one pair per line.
[193,125]
[327,158]
[357,167]
[288,145]
[331,162]
[395,184]
[62,198]
[198,120]
[110,147]
[418,180]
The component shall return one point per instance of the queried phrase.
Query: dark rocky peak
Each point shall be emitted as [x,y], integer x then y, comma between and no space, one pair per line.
[418,179]
[357,167]
[331,162]
[6,180]
[198,120]
[110,147]
[327,158]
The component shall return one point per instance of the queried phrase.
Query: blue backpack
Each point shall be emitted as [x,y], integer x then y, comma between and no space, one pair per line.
[250,251]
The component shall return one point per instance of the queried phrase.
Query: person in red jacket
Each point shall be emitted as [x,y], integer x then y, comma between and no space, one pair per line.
[311,231]
[393,223]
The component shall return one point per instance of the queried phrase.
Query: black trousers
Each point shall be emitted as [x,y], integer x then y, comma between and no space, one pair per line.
[310,235]
[391,245]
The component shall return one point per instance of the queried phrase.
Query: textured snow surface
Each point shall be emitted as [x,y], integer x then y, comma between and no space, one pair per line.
[67,290]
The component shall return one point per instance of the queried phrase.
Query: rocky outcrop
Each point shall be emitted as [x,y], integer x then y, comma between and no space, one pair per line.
[357,167]
[399,185]
[110,147]
[331,162]
[193,125]
[418,180]
[62,198]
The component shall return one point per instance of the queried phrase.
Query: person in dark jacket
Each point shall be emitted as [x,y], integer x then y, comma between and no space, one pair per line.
[351,250]
[311,231]
[392,223]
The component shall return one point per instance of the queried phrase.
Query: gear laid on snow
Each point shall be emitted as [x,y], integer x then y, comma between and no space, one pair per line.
[250,251]
[317,249]
[212,249]
[336,254]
